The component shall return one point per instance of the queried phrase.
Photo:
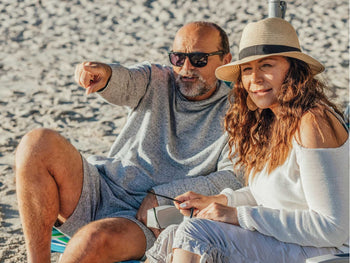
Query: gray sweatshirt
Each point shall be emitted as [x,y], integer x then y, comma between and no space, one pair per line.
[168,143]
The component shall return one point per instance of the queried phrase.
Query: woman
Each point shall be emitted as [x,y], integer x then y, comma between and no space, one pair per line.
[294,148]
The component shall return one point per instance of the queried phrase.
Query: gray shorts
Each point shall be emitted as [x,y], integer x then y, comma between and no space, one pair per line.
[96,202]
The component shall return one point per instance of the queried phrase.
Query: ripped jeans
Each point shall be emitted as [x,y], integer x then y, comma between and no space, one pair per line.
[218,242]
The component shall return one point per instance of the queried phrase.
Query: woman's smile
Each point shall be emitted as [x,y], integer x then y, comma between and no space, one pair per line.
[261,92]
[263,80]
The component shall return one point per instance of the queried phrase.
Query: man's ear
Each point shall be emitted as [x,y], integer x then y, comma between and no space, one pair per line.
[227,58]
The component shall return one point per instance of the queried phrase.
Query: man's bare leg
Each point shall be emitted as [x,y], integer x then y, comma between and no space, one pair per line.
[49,177]
[106,240]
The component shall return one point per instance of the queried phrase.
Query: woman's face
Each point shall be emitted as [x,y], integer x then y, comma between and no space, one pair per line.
[263,78]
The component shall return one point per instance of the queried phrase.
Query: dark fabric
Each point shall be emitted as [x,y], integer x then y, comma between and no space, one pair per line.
[265,50]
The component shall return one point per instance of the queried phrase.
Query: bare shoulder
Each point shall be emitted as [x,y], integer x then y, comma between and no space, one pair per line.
[321,130]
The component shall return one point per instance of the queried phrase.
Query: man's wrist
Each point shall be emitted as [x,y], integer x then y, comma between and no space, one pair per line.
[100,90]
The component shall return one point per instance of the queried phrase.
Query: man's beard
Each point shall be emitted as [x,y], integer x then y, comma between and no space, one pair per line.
[189,89]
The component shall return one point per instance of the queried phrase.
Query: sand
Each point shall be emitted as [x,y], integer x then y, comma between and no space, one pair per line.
[42,41]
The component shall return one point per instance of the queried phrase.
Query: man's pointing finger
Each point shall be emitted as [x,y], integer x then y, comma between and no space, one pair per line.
[93,68]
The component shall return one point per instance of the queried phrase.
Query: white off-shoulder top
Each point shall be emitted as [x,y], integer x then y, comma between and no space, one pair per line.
[304,201]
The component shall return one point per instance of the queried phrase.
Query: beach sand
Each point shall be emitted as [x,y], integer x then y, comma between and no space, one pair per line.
[42,41]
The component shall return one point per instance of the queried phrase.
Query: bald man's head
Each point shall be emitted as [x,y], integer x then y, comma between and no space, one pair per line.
[198,49]
[202,27]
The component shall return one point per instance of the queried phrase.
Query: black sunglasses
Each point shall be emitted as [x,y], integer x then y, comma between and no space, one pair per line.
[197,59]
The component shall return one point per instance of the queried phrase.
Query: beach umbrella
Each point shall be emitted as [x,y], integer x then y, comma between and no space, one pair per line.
[277,8]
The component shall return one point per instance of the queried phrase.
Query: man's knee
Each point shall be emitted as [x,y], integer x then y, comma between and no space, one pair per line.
[87,244]
[92,237]
[36,142]
[46,152]
[118,237]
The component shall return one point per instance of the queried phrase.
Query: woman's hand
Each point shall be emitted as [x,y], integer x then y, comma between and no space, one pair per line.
[219,212]
[197,201]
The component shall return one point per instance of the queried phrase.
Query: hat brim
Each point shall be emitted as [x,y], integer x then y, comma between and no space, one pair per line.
[230,72]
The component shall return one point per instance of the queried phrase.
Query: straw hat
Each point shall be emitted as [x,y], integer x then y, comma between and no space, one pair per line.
[265,38]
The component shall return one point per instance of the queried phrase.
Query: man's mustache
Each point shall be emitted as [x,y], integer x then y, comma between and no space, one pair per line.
[189,73]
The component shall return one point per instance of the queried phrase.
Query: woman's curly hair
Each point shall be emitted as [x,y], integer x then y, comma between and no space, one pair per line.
[259,138]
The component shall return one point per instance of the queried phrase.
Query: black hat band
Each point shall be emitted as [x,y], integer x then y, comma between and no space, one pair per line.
[265,50]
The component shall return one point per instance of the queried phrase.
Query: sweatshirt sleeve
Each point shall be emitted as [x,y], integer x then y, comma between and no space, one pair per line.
[239,197]
[127,85]
[325,178]
[210,184]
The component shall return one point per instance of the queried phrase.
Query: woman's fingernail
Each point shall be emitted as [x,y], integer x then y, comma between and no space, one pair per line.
[183,205]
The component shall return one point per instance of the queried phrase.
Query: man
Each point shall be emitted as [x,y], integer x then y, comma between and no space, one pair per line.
[172,142]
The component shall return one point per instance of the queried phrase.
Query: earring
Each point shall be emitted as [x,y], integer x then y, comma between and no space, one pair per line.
[250,104]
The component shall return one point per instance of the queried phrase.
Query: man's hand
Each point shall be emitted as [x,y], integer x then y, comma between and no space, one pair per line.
[148,202]
[92,76]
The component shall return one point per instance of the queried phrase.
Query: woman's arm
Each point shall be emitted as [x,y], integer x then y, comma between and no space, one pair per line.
[218,207]
[198,202]
[321,131]
[324,174]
